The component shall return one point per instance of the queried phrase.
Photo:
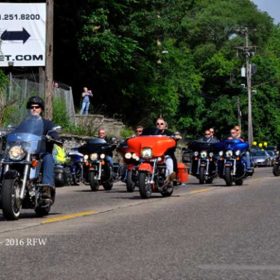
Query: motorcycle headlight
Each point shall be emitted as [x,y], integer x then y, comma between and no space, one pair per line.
[229,153]
[203,154]
[196,154]
[128,156]
[102,156]
[134,156]
[221,153]
[237,153]
[146,153]
[211,154]
[85,157]
[94,156]
[16,153]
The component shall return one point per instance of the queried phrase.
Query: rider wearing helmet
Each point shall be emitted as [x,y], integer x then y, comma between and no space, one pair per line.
[36,105]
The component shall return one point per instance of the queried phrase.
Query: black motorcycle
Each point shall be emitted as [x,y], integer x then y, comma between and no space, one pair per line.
[276,166]
[97,169]
[21,170]
[203,162]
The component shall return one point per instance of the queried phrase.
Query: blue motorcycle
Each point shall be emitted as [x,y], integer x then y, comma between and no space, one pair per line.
[71,172]
[232,161]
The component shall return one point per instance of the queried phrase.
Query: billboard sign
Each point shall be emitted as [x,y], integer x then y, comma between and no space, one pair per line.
[22,34]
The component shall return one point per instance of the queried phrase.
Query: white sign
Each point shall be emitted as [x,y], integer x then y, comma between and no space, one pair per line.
[22,34]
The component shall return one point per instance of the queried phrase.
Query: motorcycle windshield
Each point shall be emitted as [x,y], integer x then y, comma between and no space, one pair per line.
[201,146]
[95,145]
[234,145]
[28,134]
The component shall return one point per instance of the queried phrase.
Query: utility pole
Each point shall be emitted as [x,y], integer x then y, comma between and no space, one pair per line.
[49,61]
[239,112]
[248,51]
[249,88]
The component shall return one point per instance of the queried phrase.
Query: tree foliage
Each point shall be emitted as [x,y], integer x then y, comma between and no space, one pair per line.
[175,58]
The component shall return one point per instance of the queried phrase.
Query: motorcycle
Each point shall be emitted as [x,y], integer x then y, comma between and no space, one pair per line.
[231,167]
[70,172]
[21,170]
[204,162]
[151,171]
[276,165]
[131,162]
[96,169]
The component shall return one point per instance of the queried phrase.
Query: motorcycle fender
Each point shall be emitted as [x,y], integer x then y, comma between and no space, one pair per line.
[145,167]
[11,174]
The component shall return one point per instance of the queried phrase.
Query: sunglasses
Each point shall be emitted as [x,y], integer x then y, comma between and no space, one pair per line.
[35,107]
[139,130]
[160,123]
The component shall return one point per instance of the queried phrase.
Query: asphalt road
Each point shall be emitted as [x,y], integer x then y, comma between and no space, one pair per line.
[201,232]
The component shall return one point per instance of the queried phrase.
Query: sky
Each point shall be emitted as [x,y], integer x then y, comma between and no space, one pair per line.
[272,7]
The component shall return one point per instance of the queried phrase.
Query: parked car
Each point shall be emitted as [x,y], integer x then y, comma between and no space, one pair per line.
[261,158]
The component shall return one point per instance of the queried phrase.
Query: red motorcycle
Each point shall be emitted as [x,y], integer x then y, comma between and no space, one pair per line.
[151,149]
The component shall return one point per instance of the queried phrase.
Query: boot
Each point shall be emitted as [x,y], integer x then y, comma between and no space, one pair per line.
[169,179]
[46,195]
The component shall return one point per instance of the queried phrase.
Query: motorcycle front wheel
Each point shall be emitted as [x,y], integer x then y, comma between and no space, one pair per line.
[228,176]
[201,175]
[145,187]
[276,170]
[130,184]
[11,202]
[94,183]
[78,176]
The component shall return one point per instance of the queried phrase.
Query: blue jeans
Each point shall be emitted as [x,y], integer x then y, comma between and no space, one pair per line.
[48,170]
[85,107]
[246,158]
[109,159]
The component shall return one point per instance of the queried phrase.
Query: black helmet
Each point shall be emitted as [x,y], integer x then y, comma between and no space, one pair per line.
[35,100]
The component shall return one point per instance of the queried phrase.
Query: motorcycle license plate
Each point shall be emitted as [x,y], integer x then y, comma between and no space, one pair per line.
[228,164]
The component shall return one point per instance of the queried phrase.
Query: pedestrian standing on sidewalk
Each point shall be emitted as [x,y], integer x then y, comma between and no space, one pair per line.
[86,94]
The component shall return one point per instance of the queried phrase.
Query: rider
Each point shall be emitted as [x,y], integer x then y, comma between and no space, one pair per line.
[170,159]
[36,105]
[102,135]
[208,137]
[235,134]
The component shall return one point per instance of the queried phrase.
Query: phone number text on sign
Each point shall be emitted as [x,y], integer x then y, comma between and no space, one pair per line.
[20,17]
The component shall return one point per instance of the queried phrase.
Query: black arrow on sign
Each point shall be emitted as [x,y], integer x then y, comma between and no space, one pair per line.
[15,35]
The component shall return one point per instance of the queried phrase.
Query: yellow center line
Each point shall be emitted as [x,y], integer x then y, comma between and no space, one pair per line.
[69,217]
[200,191]
[92,212]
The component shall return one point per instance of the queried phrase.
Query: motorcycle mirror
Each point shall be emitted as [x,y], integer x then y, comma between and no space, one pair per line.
[55,128]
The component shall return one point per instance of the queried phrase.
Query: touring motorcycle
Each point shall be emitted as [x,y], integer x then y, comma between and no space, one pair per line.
[204,161]
[21,170]
[231,165]
[96,168]
[150,150]
[70,172]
